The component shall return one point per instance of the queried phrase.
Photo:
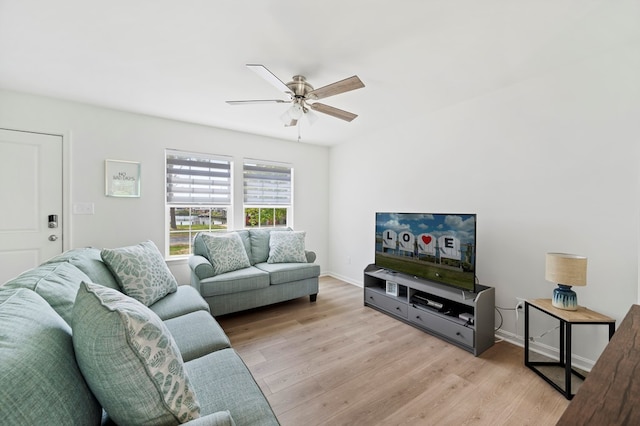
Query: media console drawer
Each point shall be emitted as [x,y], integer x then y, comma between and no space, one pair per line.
[389,304]
[442,326]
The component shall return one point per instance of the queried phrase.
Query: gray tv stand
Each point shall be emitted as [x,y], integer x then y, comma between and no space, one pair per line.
[462,318]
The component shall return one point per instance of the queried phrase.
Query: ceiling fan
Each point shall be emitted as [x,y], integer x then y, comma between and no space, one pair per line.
[303,96]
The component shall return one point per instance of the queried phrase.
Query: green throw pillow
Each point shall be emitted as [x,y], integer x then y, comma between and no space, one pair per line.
[130,360]
[226,252]
[141,272]
[287,247]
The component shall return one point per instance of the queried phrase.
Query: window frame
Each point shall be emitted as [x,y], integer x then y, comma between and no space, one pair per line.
[260,204]
[214,176]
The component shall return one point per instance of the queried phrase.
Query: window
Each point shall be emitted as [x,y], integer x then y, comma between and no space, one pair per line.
[199,189]
[267,194]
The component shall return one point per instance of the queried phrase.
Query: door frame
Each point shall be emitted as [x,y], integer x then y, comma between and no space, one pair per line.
[66,176]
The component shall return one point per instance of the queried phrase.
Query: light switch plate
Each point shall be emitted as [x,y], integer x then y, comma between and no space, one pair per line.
[83,208]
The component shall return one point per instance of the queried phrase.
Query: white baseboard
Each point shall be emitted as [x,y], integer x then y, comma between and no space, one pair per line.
[342,278]
[548,351]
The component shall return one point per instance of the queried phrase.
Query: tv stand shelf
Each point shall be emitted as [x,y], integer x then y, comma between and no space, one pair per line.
[463,318]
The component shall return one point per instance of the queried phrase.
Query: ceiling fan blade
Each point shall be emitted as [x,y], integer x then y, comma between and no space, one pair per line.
[332,111]
[346,85]
[292,123]
[263,72]
[257,101]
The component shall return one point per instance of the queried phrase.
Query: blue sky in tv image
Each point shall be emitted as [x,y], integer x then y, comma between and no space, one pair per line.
[427,236]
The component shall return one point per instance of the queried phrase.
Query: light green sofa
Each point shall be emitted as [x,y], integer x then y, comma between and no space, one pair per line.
[57,369]
[261,281]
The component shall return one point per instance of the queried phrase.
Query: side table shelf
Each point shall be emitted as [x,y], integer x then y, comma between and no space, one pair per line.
[567,319]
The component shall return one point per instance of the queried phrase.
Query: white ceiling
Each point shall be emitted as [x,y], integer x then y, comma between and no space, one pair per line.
[183,59]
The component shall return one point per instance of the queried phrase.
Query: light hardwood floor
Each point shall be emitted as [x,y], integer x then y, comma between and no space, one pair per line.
[340,363]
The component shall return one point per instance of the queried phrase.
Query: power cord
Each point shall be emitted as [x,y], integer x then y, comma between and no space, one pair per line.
[501,319]
[498,308]
[533,338]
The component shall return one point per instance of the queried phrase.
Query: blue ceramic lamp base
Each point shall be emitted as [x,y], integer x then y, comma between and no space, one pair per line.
[565,298]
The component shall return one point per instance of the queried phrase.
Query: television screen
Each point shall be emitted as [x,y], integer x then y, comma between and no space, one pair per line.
[434,246]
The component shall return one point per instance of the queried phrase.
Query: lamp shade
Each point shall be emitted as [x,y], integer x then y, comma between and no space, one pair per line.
[566,269]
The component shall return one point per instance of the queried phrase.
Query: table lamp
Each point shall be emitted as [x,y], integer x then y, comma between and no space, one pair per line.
[566,270]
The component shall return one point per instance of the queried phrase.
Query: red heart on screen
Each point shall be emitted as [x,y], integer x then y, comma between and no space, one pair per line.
[426,239]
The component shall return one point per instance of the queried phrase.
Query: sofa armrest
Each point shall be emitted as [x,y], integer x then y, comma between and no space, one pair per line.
[201,266]
[311,256]
[219,418]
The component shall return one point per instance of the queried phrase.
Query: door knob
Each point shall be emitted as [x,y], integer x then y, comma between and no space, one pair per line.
[53,237]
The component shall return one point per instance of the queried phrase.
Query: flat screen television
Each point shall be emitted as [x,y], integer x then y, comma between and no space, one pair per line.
[434,246]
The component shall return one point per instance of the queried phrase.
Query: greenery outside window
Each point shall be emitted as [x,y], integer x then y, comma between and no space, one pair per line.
[265,216]
[267,194]
[186,221]
[198,197]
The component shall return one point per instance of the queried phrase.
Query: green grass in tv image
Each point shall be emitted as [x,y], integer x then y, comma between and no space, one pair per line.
[428,270]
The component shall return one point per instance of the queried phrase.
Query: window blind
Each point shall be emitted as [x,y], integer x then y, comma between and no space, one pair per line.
[267,184]
[197,179]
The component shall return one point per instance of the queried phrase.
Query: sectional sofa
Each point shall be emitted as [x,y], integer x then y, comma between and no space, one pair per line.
[239,270]
[96,337]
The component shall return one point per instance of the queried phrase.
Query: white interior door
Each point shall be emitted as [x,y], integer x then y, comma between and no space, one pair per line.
[30,192]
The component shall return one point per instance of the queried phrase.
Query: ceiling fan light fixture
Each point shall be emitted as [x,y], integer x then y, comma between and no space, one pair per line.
[291,116]
[295,112]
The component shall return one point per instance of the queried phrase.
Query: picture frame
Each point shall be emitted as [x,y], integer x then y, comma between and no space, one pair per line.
[122,178]
[392,288]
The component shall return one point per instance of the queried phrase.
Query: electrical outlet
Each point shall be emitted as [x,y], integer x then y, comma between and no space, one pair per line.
[520,304]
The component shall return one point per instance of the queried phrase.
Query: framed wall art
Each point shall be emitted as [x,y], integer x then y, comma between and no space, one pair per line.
[122,178]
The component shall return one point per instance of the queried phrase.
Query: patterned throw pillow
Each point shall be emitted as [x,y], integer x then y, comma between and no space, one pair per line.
[130,360]
[226,252]
[287,247]
[141,272]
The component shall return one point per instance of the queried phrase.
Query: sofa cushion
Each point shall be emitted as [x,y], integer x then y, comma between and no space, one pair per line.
[89,261]
[41,382]
[281,273]
[260,243]
[130,360]
[141,271]
[197,334]
[223,382]
[184,300]
[57,283]
[250,278]
[226,252]
[287,247]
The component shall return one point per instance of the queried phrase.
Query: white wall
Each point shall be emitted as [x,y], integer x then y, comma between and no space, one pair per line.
[95,134]
[548,164]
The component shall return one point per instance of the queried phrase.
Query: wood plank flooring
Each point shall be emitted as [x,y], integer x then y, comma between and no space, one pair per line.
[340,363]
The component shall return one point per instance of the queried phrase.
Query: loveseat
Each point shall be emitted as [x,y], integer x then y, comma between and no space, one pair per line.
[239,270]
[75,349]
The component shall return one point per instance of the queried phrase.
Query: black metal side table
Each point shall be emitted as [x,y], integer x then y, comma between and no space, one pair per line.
[567,320]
